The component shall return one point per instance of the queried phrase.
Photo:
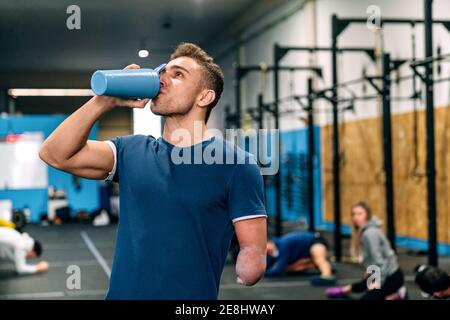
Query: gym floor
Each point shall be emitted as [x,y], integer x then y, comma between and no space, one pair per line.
[92,249]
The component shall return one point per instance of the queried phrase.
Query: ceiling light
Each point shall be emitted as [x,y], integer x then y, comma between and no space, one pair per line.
[143,53]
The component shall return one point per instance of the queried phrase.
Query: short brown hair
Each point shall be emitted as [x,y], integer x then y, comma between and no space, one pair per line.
[213,74]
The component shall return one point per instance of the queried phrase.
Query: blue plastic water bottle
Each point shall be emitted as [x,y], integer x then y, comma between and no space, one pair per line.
[129,83]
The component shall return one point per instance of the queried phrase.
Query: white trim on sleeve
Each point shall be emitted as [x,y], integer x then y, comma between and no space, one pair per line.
[113,171]
[249,217]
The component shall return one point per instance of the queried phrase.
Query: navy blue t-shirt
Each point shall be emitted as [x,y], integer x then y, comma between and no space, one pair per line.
[176,219]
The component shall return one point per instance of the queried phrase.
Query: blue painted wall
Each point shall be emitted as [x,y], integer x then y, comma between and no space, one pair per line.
[294,156]
[87,198]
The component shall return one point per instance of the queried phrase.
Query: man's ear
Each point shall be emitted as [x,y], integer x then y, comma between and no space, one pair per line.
[206,97]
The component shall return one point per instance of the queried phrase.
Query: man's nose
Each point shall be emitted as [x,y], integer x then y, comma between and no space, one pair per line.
[163,80]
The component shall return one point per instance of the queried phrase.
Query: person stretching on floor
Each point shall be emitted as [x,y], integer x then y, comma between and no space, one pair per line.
[370,242]
[17,247]
[298,251]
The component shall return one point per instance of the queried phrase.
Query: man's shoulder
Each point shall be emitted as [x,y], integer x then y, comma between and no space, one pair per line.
[132,139]
[10,236]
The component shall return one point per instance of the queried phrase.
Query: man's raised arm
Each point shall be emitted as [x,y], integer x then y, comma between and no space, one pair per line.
[68,147]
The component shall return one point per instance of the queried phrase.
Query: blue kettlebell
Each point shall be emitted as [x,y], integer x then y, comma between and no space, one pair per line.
[129,83]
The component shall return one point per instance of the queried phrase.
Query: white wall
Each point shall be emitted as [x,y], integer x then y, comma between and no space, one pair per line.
[217,118]
[311,26]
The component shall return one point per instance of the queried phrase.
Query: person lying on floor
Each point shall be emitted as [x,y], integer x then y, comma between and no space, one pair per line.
[433,281]
[299,251]
[17,247]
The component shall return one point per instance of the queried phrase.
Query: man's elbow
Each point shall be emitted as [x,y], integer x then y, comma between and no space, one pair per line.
[46,156]
[43,154]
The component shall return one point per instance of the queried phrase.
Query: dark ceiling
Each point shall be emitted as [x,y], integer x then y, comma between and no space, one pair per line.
[34,37]
[37,50]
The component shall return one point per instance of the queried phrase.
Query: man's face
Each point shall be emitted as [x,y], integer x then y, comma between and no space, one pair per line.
[31,254]
[181,82]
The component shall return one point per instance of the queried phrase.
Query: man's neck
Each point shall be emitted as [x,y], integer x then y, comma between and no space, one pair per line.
[185,132]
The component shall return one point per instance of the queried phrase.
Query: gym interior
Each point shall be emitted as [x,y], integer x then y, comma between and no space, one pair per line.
[353,97]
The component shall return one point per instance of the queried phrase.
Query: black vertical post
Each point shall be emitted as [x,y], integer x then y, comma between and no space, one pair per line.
[260,111]
[387,147]
[4,100]
[237,95]
[278,225]
[261,140]
[227,119]
[311,155]
[336,174]
[431,169]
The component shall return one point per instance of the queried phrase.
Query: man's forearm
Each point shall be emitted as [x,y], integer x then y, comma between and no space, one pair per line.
[26,269]
[72,134]
[21,264]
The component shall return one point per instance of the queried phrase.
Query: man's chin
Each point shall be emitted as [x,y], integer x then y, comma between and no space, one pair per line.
[155,110]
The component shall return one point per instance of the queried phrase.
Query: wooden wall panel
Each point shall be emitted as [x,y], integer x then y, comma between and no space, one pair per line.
[362,175]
